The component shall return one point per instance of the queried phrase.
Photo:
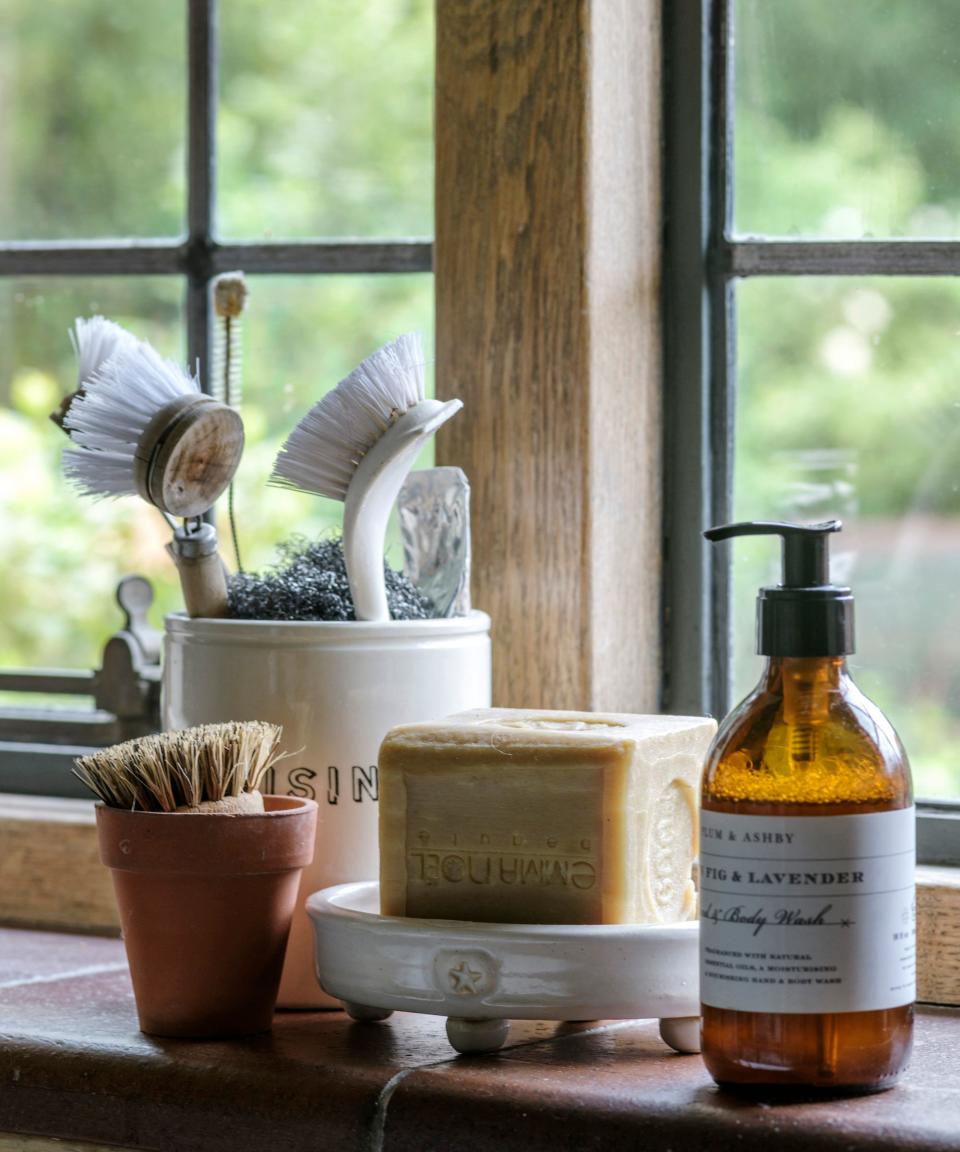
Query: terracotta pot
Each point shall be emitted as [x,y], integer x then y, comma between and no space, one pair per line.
[205,905]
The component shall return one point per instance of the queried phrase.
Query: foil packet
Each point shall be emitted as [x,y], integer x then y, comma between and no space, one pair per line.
[434,512]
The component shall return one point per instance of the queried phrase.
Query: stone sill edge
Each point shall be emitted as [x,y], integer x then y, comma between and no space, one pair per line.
[47,837]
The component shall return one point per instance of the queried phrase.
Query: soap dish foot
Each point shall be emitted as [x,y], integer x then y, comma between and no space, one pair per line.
[476,1035]
[681,1033]
[365,1012]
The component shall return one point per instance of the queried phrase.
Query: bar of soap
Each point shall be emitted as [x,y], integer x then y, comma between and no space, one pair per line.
[534,817]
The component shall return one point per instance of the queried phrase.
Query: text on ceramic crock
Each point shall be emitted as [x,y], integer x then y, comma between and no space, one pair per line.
[306,783]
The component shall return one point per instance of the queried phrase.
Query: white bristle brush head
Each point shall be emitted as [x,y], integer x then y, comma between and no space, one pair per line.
[108,420]
[142,427]
[95,340]
[322,453]
[357,445]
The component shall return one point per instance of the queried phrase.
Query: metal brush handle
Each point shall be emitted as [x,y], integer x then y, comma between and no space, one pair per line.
[203,578]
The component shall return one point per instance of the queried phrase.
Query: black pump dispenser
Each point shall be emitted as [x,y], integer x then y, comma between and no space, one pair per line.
[805,615]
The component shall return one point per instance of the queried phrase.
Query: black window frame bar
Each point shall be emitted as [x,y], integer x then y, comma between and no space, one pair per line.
[198,256]
[703,260]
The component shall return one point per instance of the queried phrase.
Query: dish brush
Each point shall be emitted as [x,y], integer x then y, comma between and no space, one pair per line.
[357,445]
[94,341]
[141,426]
[210,768]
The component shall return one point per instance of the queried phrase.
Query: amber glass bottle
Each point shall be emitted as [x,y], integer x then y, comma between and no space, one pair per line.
[807,851]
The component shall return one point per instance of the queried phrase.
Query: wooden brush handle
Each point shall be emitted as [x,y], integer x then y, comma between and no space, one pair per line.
[203,577]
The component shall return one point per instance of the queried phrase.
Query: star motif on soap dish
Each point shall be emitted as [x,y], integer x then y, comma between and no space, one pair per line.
[464,980]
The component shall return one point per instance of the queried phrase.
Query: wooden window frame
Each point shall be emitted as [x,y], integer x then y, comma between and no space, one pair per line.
[593,468]
[705,259]
[196,257]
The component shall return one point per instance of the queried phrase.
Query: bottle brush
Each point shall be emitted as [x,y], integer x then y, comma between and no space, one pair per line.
[229,301]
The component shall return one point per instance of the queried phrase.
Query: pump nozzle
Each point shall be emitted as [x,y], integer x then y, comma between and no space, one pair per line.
[805,618]
[805,615]
[806,562]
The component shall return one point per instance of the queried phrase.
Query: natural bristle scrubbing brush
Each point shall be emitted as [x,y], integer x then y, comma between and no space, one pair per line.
[357,445]
[214,767]
[143,427]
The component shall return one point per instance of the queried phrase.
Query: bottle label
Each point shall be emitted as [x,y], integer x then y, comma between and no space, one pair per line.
[807,913]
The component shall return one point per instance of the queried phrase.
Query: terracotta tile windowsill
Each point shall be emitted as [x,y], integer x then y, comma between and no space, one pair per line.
[73,1066]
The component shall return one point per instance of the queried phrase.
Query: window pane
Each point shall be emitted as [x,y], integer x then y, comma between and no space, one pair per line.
[845,118]
[92,132]
[301,336]
[63,554]
[325,125]
[848,405]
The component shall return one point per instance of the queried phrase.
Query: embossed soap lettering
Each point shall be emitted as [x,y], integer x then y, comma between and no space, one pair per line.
[485,868]
[449,839]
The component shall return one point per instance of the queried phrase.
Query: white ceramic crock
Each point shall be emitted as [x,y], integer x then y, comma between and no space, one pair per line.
[336,688]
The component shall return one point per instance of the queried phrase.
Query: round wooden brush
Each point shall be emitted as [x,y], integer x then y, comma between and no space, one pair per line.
[142,427]
[357,445]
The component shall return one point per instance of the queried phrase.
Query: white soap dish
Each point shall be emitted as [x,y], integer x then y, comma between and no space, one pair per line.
[480,976]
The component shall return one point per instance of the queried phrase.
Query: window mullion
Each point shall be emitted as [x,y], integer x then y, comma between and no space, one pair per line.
[326,256]
[720,366]
[698,452]
[201,174]
[164,257]
[756,257]
[91,258]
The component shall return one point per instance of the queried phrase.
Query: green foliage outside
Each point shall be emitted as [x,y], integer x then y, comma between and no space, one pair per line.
[324,129]
[849,389]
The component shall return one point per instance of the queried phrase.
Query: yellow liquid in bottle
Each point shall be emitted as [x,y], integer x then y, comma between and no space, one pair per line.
[806,742]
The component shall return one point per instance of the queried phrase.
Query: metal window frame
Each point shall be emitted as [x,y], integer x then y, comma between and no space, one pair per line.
[703,262]
[197,257]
